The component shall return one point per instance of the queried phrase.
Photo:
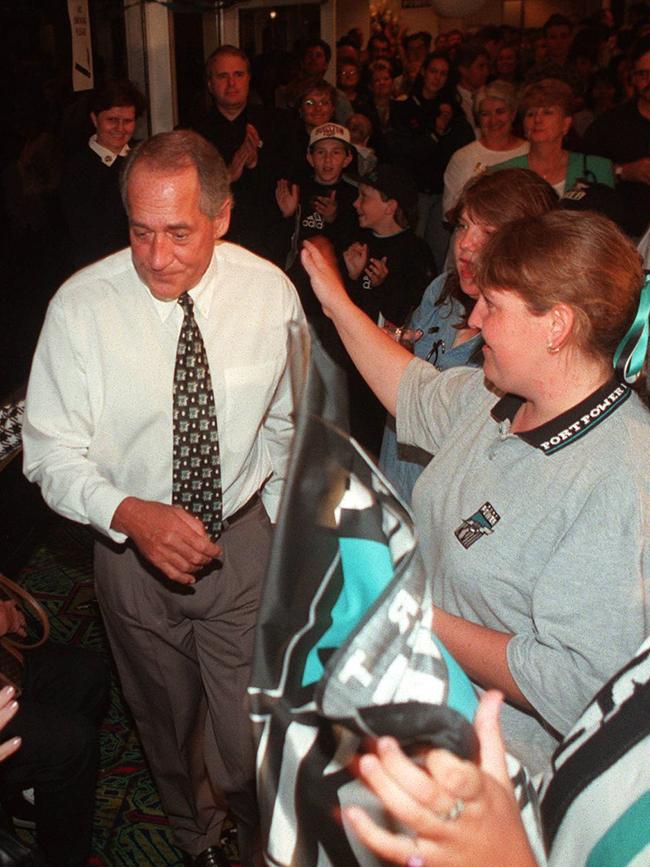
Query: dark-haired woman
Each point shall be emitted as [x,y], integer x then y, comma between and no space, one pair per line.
[90,193]
[534,516]
[440,324]
[380,107]
[428,128]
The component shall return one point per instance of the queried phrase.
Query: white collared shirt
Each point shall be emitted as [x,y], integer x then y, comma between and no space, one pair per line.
[105,154]
[467,104]
[98,420]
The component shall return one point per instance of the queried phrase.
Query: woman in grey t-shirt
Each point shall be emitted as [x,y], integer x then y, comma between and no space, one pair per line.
[533,516]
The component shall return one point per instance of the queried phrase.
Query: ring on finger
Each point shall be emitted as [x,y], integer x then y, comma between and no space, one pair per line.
[416,859]
[454,812]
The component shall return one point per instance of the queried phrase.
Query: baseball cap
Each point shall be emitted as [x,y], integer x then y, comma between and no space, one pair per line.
[393,182]
[329,130]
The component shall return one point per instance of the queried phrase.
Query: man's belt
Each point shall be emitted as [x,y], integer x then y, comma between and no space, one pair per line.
[241,512]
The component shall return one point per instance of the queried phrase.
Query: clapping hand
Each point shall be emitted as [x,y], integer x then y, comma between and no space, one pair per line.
[287,196]
[377,271]
[246,154]
[326,206]
[638,170]
[356,258]
[443,118]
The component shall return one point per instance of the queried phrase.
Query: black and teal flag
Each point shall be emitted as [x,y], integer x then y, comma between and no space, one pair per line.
[345,650]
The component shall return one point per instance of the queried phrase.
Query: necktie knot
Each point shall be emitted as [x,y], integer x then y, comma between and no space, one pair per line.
[186,302]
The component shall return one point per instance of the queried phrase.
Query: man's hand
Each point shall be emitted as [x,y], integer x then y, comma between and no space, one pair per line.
[356,258]
[172,539]
[377,271]
[326,206]
[287,196]
[238,163]
[639,171]
[254,144]
[12,619]
[245,156]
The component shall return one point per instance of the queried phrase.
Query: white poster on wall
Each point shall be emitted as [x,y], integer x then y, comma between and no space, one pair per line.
[82,53]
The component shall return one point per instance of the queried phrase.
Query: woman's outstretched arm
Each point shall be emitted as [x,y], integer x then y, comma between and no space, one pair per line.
[380,360]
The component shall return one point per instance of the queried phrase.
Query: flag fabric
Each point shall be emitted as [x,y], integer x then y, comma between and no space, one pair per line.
[596,805]
[345,650]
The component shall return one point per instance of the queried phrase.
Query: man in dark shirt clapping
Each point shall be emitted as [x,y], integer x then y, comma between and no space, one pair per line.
[253,141]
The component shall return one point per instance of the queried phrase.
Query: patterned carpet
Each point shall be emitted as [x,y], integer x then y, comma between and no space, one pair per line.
[130,828]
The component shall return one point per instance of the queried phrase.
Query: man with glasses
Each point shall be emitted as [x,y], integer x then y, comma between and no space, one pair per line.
[623,135]
[314,63]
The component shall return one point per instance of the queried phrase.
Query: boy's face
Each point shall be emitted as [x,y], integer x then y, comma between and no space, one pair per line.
[315,62]
[558,38]
[328,158]
[370,207]
[359,127]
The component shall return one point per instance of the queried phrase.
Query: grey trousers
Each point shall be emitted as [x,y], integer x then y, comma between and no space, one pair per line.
[184,656]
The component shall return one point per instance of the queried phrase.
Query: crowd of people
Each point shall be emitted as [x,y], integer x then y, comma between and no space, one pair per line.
[420,217]
[563,92]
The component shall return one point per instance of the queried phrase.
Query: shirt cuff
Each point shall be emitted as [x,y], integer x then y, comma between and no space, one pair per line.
[102,505]
[271,503]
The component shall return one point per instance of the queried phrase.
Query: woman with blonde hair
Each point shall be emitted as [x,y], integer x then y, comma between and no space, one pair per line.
[495,109]
[534,516]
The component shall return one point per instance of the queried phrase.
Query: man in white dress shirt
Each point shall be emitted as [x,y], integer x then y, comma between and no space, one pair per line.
[179,603]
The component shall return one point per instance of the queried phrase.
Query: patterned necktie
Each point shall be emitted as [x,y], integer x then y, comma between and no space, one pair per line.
[196,469]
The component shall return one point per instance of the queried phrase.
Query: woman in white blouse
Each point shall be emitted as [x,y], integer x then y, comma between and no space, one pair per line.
[495,108]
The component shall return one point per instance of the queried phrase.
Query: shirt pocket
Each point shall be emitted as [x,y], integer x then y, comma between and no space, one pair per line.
[249,393]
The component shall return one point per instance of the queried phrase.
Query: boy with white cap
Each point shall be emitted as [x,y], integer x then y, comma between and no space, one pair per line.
[322,206]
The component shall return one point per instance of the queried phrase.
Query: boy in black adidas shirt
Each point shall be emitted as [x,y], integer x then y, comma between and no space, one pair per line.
[388,266]
[388,269]
[322,206]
